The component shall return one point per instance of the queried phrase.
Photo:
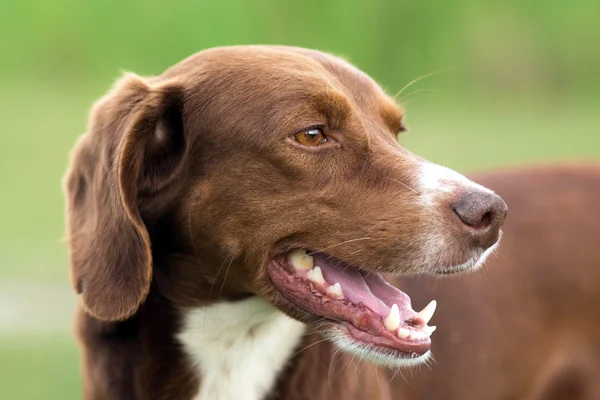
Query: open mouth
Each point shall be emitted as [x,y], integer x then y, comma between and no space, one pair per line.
[368,312]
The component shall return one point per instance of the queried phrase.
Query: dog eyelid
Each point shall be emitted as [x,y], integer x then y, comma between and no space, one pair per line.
[311,137]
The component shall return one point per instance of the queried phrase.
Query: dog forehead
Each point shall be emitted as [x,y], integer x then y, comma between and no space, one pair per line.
[344,78]
[278,88]
[273,68]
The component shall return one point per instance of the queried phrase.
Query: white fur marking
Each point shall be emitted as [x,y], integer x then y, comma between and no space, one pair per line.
[435,180]
[239,347]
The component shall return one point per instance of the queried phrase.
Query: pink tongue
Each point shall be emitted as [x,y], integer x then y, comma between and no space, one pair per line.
[371,289]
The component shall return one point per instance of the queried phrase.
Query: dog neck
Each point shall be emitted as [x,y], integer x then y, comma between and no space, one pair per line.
[238,348]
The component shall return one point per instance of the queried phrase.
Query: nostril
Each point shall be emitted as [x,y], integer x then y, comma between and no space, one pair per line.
[486,220]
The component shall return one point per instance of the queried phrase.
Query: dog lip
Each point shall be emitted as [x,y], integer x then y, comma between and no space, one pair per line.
[365,308]
[410,348]
[456,270]
[471,265]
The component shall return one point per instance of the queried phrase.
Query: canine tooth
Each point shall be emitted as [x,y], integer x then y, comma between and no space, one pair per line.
[428,311]
[315,275]
[336,290]
[429,329]
[300,260]
[392,321]
[403,333]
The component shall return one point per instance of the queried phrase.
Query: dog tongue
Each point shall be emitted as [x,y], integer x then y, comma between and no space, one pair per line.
[369,289]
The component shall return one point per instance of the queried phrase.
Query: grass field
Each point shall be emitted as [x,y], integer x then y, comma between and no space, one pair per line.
[466,133]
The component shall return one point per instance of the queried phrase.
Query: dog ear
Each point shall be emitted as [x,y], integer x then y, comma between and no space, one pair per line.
[134,146]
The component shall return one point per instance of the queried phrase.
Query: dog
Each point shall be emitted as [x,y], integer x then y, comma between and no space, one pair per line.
[241,207]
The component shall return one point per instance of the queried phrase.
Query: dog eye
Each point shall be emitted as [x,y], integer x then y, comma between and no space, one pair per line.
[311,137]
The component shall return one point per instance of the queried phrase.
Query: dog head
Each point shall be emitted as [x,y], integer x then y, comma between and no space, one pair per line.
[275,172]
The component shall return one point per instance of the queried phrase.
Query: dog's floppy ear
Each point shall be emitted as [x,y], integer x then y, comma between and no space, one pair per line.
[135,145]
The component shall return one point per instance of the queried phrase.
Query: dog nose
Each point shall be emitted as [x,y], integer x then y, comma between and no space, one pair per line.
[483,213]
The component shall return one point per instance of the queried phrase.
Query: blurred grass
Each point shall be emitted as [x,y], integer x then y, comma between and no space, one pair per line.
[41,124]
[524,89]
[34,367]
[483,133]
[535,45]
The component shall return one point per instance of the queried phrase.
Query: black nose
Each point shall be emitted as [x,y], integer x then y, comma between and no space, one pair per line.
[483,214]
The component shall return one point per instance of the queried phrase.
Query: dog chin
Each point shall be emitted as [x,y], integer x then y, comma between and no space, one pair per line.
[472,265]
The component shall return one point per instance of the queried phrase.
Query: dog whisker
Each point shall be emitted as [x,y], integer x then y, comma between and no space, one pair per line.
[425,90]
[405,185]
[225,277]
[339,244]
[315,332]
[377,377]
[190,231]
[309,346]
[330,365]
[409,84]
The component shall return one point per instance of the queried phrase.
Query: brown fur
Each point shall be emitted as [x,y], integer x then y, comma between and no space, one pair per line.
[187,184]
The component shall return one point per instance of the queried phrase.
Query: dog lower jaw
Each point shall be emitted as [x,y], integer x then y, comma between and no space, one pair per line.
[471,265]
[377,355]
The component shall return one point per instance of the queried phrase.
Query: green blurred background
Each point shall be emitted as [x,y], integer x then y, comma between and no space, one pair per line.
[519,83]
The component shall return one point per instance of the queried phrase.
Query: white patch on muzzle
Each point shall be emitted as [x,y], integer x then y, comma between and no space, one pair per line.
[436,182]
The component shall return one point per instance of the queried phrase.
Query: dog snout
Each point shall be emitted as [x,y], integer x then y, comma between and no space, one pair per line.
[482,214]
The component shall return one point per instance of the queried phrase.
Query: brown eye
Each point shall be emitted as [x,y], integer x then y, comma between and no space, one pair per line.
[311,137]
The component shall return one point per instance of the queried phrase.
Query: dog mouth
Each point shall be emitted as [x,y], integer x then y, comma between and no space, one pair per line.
[366,311]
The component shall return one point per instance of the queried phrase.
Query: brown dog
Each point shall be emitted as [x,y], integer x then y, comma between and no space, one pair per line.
[242,187]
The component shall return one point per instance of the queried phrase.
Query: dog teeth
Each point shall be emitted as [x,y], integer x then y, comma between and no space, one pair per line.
[416,334]
[315,275]
[335,290]
[403,333]
[300,260]
[422,333]
[427,312]
[429,329]
[392,321]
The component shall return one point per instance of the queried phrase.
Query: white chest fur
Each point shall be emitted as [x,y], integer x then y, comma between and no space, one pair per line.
[239,347]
